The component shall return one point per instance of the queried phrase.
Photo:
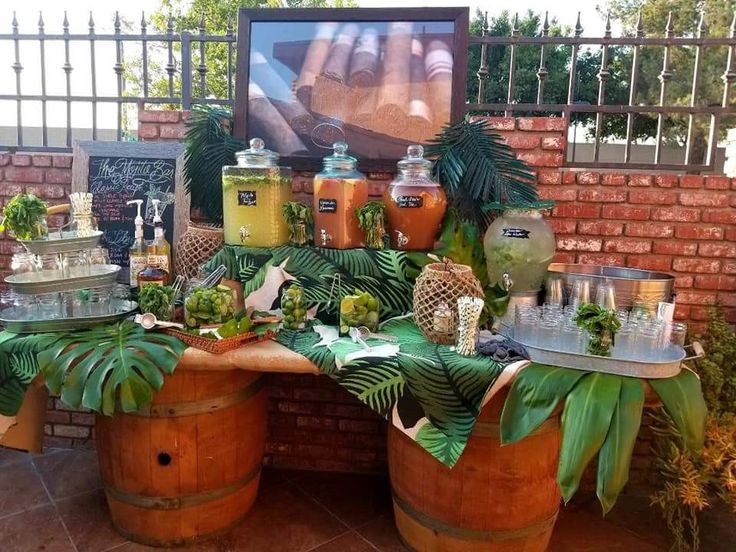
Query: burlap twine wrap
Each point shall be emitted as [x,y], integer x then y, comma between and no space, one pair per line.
[442,283]
[197,246]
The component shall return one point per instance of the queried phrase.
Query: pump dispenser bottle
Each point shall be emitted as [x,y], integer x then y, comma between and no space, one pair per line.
[137,252]
[159,250]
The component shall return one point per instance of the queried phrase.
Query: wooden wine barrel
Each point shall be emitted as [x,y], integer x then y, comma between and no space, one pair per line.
[495,499]
[189,464]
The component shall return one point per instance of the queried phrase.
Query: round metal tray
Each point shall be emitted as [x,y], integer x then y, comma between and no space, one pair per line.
[62,243]
[54,281]
[16,319]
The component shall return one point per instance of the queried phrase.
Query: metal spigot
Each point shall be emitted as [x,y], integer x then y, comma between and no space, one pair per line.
[401,239]
[244,233]
[324,237]
[508,283]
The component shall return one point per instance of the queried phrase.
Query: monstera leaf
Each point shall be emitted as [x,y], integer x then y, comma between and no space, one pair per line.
[100,367]
[18,367]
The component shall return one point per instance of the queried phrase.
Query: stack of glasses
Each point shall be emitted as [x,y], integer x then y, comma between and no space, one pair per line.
[552,326]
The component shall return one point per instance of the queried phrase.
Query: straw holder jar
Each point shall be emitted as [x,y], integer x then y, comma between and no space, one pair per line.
[442,283]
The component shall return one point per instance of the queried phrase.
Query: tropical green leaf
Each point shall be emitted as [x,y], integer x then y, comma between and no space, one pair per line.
[209,147]
[683,400]
[450,388]
[614,458]
[25,366]
[586,419]
[535,393]
[99,367]
[377,385]
[476,167]
[304,343]
[445,447]
[12,388]
[461,242]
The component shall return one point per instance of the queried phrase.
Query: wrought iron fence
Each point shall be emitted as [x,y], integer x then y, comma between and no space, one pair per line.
[185,70]
[572,108]
[180,70]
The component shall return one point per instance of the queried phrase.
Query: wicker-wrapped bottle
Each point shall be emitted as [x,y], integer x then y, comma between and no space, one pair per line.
[442,283]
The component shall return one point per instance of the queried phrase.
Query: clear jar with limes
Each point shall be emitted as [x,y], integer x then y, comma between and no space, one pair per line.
[294,308]
[359,309]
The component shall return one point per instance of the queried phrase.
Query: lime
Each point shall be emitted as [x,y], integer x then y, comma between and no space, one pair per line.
[372,304]
[287,306]
[347,306]
[228,329]
[344,329]
[244,325]
[361,300]
[288,319]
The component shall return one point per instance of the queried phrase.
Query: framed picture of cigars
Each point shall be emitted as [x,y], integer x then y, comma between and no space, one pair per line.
[378,79]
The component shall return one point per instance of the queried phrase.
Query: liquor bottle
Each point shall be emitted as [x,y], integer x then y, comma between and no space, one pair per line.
[153,274]
[159,248]
[137,252]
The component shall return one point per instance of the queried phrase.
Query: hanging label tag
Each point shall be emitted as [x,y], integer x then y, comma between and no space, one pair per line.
[327,206]
[410,202]
[516,233]
[247,198]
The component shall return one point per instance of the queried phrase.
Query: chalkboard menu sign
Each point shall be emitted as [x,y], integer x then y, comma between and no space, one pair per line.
[117,172]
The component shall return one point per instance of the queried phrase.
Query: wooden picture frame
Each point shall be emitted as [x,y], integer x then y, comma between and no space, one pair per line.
[138,168]
[332,101]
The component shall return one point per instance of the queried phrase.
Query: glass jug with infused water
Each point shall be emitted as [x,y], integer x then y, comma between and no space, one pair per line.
[253,192]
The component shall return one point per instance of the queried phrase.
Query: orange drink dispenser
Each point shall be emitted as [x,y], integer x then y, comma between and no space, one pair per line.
[253,192]
[415,204]
[338,190]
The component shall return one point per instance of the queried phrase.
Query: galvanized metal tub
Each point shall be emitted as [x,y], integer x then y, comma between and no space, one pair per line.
[633,287]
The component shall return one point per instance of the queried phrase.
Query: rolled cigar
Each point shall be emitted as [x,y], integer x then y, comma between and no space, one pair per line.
[365,110]
[438,63]
[392,105]
[265,120]
[279,93]
[420,114]
[314,60]
[365,58]
[338,59]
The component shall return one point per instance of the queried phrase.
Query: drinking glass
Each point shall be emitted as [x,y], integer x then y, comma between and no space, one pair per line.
[99,256]
[22,263]
[549,337]
[624,343]
[554,294]
[647,343]
[674,334]
[605,296]
[76,263]
[49,306]
[572,339]
[580,293]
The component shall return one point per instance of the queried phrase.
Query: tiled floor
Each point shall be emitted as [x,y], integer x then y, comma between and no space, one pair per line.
[53,503]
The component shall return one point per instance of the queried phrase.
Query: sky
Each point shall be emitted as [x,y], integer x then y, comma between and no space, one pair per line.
[78,11]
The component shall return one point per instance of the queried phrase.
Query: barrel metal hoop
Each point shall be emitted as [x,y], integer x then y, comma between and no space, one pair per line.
[191,408]
[178,502]
[462,533]
[492,430]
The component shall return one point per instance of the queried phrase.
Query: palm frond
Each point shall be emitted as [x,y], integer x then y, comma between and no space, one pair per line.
[476,167]
[209,147]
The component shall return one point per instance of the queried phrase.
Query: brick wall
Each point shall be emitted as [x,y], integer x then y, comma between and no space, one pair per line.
[684,224]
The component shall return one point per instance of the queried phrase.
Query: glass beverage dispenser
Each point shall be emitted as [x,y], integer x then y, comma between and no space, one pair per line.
[415,203]
[338,190]
[253,192]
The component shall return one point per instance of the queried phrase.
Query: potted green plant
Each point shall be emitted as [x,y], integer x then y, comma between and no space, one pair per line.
[25,216]
[601,324]
[209,146]
[372,221]
[478,171]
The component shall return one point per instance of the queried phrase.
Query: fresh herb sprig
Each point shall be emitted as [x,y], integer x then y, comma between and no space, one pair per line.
[24,215]
[372,220]
[601,325]
[156,299]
